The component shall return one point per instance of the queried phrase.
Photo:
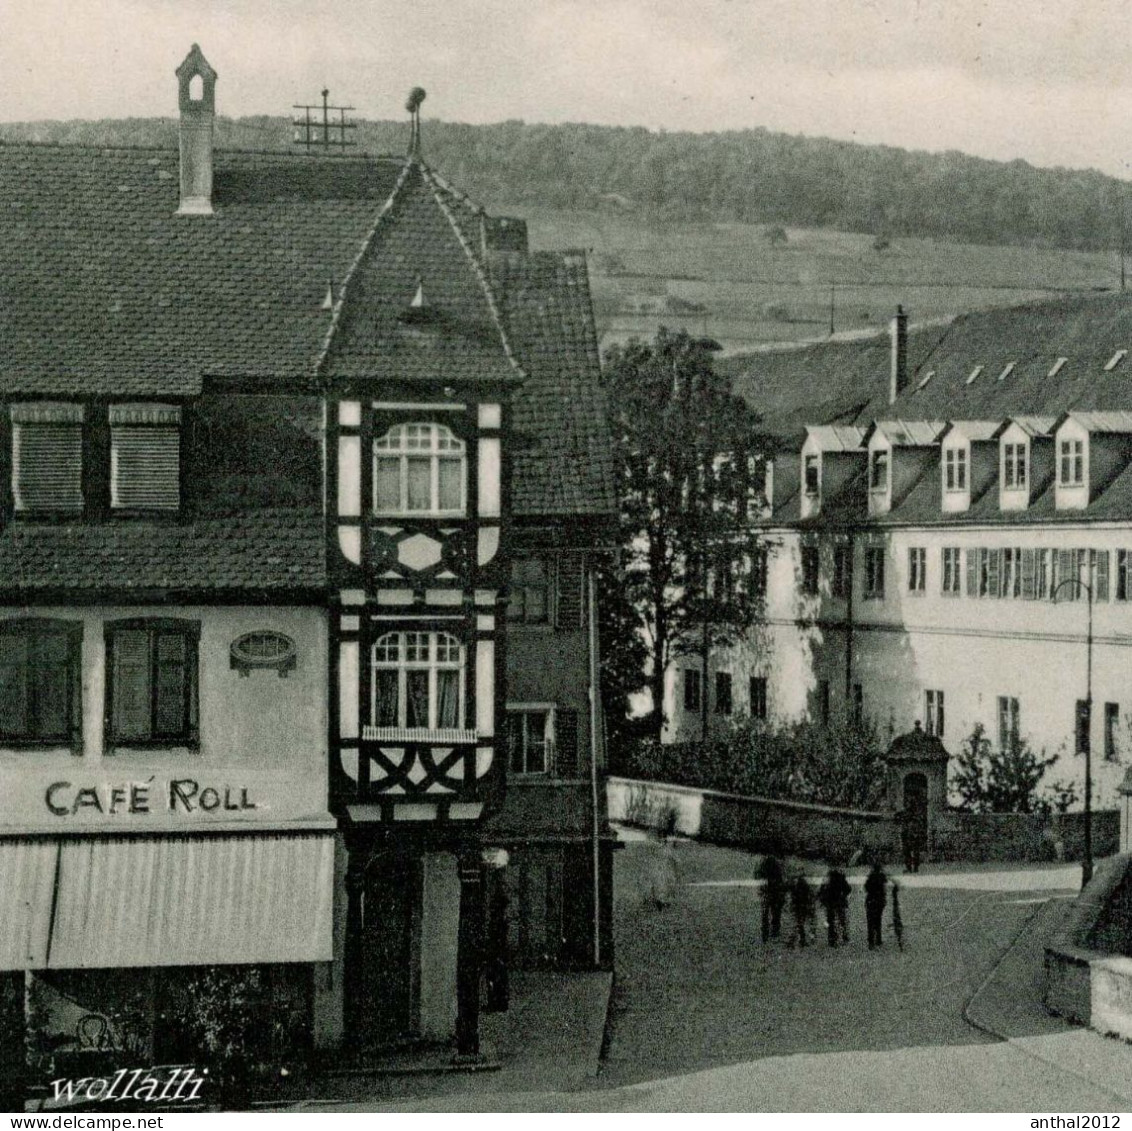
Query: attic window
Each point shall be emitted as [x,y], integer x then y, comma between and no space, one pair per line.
[974,374]
[1058,365]
[1115,360]
[47,444]
[1007,370]
[925,379]
[145,457]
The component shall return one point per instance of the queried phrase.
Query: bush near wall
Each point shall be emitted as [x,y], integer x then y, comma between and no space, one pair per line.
[806,762]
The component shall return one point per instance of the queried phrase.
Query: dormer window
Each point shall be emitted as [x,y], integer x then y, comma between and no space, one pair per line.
[813,470]
[955,469]
[47,446]
[878,470]
[1014,469]
[419,469]
[145,457]
[1071,463]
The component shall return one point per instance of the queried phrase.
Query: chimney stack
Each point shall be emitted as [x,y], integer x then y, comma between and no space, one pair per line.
[899,333]
[197,101]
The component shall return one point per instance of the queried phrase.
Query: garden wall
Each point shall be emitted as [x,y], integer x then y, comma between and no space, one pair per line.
[825,831]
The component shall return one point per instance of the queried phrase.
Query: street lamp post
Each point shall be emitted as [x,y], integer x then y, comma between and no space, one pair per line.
[1086,732]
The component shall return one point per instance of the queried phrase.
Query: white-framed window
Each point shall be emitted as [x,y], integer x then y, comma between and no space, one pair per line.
[693,690]
[917,569]
[955,469]
[530,738]
[419,469]
[417,681]
[874,573]
[933,713]
[951,571]
[1014,466]
[1071,463]
[813,475]
[1008,725]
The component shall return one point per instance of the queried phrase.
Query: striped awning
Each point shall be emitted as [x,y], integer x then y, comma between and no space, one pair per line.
[166,901]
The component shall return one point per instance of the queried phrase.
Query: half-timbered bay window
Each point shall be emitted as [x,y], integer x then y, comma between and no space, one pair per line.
[151,668]
[47,457]
[419,469]
[417,687]
[145,457]
[40,681]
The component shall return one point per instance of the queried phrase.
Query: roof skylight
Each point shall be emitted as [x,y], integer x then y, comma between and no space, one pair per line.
[1058,365]
[925,379]
[974,374]
[1008,369]
[1115,360]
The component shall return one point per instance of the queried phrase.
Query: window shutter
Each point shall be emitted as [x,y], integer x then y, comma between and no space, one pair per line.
[568,606]
[145,468]
[994,572]
[14,683]
[566,742]
[52,676]
[1029,574]
[972,573]
[1066,568]
[130,707]
[47,467]
[1100,578]
[171,685]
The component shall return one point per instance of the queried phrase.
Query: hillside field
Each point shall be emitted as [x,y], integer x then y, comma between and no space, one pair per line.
[728,281]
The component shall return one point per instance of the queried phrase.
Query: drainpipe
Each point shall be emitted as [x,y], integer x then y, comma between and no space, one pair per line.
[595,744]
[849,631]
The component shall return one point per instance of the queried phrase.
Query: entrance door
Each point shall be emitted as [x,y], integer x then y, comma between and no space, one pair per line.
[916,808]
[386,984]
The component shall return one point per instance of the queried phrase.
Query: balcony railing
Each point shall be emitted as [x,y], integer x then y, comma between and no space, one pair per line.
[452,735]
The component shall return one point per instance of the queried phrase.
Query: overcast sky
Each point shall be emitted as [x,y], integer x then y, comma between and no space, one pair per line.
[1045,80]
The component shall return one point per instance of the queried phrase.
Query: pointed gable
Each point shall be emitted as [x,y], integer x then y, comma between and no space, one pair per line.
[453,334]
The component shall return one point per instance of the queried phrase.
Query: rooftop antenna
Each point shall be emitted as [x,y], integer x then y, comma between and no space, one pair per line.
[313,131]
[413,105]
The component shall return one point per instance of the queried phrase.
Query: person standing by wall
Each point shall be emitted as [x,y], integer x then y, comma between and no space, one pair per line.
[802,907]
[773,877]
[876,897]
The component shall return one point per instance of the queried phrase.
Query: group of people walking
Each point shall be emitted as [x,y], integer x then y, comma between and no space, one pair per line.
[833,896]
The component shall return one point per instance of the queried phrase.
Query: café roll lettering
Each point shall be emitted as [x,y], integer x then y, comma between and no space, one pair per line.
[178,795]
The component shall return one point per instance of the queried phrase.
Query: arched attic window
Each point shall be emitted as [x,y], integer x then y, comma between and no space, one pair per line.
[419,469]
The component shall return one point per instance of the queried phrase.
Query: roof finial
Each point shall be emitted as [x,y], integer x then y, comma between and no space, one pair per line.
[413,105]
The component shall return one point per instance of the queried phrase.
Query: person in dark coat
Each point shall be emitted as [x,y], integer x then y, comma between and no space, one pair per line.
[876,884]
[833,895]
[802,907]
[773,876]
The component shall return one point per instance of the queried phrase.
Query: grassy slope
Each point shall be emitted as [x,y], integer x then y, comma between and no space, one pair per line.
[752,292]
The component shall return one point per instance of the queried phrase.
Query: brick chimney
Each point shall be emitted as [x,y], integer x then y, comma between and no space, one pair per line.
[899,333]
[197,101]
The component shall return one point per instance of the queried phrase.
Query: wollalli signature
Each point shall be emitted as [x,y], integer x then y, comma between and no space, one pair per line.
[149,1085]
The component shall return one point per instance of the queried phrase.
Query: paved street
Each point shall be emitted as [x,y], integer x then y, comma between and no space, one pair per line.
[704,1017]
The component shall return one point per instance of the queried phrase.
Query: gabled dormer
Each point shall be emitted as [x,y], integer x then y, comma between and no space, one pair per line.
[899,453]
[1090,450]
[968,460]
[831,456]
[1025,460]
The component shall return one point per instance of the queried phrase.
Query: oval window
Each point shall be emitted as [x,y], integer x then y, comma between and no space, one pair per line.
[263,650]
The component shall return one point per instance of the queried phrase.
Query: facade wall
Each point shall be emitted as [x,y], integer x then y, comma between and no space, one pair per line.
[262,736]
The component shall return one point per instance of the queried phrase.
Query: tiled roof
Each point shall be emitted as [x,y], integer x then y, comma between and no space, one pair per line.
[847,381]
[1119,421]
[104,290]
[265,552]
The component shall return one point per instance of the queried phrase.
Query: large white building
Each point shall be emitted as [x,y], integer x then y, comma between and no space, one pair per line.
[947,484]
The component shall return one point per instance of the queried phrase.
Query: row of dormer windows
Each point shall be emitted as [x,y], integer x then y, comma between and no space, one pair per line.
[48,452]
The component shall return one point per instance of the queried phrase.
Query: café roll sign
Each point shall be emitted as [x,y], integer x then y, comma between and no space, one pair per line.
[136,799]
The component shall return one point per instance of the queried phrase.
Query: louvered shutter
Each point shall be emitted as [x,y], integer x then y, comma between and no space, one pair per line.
[52,676]
[1029,575]
[1101,576]
[568,603]
[972,573]
[171,699]
[145,468]
[994,572]
[1066,568]
[47,467]
[130,705]
[566,742]
[14,698]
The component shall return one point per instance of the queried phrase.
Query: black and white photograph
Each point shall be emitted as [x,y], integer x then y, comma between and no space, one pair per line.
[565,556]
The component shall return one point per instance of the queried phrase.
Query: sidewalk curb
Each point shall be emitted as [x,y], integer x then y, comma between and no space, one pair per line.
[988,1027]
